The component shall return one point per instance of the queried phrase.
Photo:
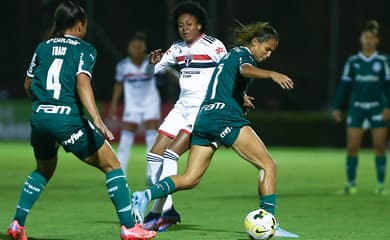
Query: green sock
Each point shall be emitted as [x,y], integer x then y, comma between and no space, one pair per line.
[352,162]
[380,162]
[163,188]
[268,203]
[31,191]
[119,192]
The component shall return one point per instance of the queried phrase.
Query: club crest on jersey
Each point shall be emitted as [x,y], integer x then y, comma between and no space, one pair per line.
[376,67]
[187,60]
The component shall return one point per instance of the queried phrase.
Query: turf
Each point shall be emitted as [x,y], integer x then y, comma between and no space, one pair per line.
[75,204]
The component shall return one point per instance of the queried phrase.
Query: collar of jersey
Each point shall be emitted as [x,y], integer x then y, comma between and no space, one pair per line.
[71,36]
[195,40]
[367,59]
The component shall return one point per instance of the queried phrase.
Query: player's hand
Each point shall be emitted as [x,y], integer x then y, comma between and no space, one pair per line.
[104,130]
[248,104]
[386,114]
[155,56]
[337,115]
[284,81]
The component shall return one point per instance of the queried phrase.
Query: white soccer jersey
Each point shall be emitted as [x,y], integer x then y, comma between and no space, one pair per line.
[196,63]
[140,91]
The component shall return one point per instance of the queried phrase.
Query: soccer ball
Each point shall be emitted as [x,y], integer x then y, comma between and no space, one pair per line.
[260,224]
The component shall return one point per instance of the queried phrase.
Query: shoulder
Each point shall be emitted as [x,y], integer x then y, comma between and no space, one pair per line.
[123,61]
[87,46]
[353,58]
[383,57]
[212,41]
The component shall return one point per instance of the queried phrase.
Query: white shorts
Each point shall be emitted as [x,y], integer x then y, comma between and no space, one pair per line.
[179,118]
[137,117]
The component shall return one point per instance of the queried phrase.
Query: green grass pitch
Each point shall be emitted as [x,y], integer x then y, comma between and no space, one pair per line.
[75,204]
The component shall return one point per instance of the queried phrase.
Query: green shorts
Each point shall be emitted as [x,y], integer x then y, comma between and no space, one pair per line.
[217,126]
[74,133]
[365,115]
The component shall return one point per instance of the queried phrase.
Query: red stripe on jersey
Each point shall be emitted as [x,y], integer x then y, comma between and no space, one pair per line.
[194,57]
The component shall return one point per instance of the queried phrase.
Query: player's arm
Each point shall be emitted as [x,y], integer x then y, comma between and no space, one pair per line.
[342,91]
[249,71]
[116,94]
[158,60]
[85,93]
[27,86]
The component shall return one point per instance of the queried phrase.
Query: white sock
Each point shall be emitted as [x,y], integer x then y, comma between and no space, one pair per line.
[125,144]
[153,167]
[169,169]
[150,137]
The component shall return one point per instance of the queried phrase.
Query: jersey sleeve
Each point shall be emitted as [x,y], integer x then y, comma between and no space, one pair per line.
[87,60]
[33,64]
[119,72]
[167,60]
[218,51]
[347,74]
[387,81]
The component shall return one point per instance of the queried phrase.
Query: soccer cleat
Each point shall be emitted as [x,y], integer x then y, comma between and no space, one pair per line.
[151,220]
[348,190]
[140,201]
[16,232]
[280,232]
[136,233]
[380,190]
[169,218]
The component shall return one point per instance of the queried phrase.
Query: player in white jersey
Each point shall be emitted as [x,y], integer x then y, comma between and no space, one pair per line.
[141,98]
[196,56]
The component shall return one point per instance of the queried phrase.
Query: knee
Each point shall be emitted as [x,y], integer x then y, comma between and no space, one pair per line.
[190,182]
[268,165]
[352,149]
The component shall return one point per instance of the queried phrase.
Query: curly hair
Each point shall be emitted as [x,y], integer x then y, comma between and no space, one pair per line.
[192,8]
[260,30]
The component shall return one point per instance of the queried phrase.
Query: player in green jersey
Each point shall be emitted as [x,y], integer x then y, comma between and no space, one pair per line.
[59,83]
[368,75]
[221,120]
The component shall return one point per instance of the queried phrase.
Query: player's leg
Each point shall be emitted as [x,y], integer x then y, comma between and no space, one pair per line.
[171,155]
[45,151]
[151,127]
[354,140]
[131,120]
[198,161]
[379,139]
[249,146]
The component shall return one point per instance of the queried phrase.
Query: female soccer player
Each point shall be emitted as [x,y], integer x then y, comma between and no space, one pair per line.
[59,82]
[196,56]
[368,74]
[221,120]
[141,97]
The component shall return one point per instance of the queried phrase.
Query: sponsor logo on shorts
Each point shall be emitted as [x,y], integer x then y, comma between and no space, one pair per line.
[53,109]
[73,138]
[225,132]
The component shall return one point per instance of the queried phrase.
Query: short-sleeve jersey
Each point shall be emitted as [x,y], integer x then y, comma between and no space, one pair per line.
[140,89]
[54,69]
[196,63]
[368,75]
[227,85]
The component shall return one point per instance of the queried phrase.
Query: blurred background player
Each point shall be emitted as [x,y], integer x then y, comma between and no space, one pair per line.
[367,73]
[141,98]
[59,83]
[221,120]
[196,56]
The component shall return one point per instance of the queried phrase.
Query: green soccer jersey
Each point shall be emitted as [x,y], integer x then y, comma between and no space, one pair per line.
[369,78]
[54,69]
[227,85]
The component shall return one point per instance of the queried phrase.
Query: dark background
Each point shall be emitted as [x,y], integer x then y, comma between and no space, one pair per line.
[316,38]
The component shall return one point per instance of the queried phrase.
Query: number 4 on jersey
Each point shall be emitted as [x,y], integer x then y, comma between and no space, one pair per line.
[53,77]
